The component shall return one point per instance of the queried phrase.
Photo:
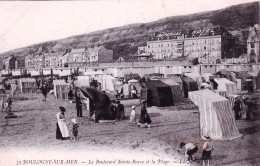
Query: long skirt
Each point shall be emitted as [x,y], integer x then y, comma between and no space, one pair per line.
[63,129]
[58,132]
[206,155]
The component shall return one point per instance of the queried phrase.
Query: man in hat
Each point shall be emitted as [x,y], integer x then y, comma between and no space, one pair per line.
[78,106]
[207,148]
[144,117]
[44,90]
[62,129]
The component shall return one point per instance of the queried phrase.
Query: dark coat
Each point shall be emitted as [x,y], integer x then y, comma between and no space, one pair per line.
[144,117]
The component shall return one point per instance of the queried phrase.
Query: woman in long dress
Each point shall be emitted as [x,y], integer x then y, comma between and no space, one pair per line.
[145,119]
[62,129]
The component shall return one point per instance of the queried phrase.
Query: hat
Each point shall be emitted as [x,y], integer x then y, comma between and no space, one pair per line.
[133,107]
[206,137]
[143,102]
[62,109]
[74,120]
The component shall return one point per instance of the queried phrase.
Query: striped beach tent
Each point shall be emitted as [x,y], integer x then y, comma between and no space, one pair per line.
[226,85]
[177,92]
[216,117]
[178,80]
[27,85]
[195,76]
[61,89]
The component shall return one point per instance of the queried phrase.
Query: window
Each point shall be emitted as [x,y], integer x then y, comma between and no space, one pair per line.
[190,67]
[185,67]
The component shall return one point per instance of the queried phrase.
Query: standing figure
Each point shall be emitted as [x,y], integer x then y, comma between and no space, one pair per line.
[62,129]
[190,149]
[79,106]
[207,148]
[144,117]
[70,94]
[120,110]
[75,129]
[237,108]
[44,90]
[8,103]
[132,116]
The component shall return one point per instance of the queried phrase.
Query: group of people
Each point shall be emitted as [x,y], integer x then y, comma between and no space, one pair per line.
[191,149]
[243,108]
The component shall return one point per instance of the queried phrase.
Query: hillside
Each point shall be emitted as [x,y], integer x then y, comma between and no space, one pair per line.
[125,40]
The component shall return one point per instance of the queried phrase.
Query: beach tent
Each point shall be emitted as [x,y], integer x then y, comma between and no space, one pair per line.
[136,84]
[126,90]
[107,83]
[189,85]
[27,85]
[226,85]
[101,101]
[158,94]
[154,76]
[61,89]
[83,81]
[216,117]
[177,93]
[195,76]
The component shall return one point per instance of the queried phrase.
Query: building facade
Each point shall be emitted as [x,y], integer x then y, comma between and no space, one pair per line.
[253,43]
[99,54]
[208,45]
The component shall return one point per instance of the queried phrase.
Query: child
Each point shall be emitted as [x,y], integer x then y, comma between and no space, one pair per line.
[190,149]
[75,129]
[132,116]
[207,148]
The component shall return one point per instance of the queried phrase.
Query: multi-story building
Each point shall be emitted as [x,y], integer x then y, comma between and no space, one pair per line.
[9,62]
[99,54]
[207,45]
[253,43]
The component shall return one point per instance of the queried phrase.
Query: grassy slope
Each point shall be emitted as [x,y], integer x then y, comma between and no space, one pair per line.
[125,40]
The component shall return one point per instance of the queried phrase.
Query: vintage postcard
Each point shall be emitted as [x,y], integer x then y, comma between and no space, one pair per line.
[130,83]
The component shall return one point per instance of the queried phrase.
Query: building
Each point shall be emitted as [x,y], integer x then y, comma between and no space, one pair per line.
[253,43]
[208,45]
[99,54]
[10,62]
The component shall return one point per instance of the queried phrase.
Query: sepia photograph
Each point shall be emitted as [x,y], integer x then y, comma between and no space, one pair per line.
[130,83]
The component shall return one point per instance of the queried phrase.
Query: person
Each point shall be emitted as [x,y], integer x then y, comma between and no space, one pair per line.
[113,110]
[79,106]
[62,129]
[133,92]
[207,148]
[250,106]
[237,108]
[75,129]
[144,117]
[190,149]
[8,103]
[70,94]
[132,115]
[120,109]
[44,90]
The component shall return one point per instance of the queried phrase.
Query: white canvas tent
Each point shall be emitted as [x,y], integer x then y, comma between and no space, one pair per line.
[216,117]
[107,83]
[83,81]
[195,76]
[226,85]
[61,89]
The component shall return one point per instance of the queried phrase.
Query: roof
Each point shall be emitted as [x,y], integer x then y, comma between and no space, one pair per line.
[27,80]
[169,81]
[208,95]
[59,82]
[77,50]
[187,79]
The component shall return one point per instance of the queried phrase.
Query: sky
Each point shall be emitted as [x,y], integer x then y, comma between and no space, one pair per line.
[23,23]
